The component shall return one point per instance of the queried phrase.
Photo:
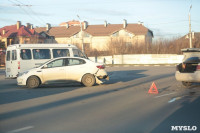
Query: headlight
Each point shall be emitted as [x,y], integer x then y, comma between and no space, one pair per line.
[21,74]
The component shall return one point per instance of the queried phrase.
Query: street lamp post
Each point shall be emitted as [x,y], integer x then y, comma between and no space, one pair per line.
[83,49]
[190,34]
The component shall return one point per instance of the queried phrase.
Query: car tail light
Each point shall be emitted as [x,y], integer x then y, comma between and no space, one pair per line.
[18,64]
[101,67]
[198,68]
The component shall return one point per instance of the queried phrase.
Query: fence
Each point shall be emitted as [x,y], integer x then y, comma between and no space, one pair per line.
[140,59]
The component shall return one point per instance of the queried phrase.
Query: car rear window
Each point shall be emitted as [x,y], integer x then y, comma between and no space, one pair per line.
[192,60]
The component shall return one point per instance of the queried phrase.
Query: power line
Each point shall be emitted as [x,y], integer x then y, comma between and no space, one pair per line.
[21,5]
[31,11]
[169,22]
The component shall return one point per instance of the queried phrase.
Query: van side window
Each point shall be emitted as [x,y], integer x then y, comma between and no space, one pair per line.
[25,54]
[41,54]
[61,53]
[8,56]
[78,53]
[14,55]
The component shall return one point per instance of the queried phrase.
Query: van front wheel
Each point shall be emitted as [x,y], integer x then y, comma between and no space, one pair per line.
[33,82]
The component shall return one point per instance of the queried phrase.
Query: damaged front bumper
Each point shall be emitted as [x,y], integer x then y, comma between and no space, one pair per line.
[99,79]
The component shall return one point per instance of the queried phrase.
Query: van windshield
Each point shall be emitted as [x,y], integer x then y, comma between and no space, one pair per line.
[78,53]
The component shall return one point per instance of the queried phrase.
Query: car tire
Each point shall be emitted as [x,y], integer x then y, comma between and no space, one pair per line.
[187,84]
[88,80]
[33,82]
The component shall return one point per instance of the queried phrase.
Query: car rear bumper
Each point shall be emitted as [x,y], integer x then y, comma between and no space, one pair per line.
[188,77]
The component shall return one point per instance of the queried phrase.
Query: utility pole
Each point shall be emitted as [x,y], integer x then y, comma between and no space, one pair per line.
[83,48]
[190,33]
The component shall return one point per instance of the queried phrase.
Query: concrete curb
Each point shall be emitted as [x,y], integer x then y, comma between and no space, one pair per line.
[2,77]
[135,65]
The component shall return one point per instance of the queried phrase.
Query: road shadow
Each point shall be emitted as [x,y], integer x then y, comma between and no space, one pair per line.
[193,85]
[9,95]
[66,101]
[187,115]
[125,76]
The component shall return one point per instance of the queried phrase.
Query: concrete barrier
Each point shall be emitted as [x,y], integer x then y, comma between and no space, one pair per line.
[140,59]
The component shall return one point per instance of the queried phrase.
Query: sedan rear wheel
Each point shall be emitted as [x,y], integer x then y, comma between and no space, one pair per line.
[88,80]
[187,84]
[33,82]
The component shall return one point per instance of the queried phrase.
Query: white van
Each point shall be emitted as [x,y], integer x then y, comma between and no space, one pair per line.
[22,57]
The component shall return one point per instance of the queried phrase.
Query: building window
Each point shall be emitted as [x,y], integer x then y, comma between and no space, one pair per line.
[76,35]
[87,47]
[128,44]
[116,34]
[128,34]
[86,35]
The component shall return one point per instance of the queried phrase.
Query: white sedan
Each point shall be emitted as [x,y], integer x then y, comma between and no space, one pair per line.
[64,69]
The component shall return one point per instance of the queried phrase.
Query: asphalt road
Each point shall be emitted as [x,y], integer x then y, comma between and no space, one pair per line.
[121,105]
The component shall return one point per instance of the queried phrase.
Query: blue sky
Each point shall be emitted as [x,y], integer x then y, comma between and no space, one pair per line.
[166,18]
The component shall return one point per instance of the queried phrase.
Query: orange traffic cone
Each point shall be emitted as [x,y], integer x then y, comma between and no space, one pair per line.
[153,89]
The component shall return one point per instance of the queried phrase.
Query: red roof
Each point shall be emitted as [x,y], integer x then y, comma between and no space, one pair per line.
[12,31]
[95,30]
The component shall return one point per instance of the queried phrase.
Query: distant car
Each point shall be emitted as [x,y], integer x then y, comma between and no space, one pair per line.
[64,69]
[189,70]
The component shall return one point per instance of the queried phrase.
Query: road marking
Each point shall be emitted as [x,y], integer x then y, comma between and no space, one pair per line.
[174,99]
[21,129]
[165,95]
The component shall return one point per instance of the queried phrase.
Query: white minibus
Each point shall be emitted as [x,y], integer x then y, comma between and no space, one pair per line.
[22,57]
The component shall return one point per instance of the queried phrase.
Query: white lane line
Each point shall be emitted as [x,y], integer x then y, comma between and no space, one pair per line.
[174,99]
[21,129]
[165,95]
